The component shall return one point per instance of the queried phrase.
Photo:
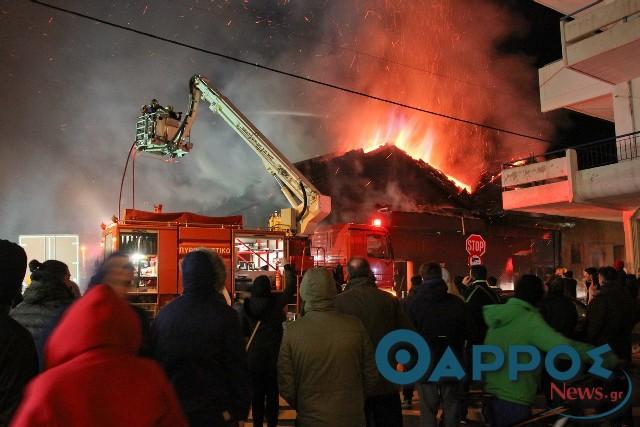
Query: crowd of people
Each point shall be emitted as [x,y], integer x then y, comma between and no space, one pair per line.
[98,360]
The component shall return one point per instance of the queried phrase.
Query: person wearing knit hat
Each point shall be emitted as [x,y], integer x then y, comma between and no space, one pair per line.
[18,359]
[46,297]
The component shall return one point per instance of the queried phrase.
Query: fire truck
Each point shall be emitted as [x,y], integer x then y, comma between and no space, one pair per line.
[156,241]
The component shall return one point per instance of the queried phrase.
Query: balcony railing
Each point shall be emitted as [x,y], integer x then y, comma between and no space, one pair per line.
[592,154]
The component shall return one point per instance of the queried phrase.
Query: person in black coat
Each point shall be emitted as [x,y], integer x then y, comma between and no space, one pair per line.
[558,310]
[561,314]
[478,295]
[610,315]
[265,339]
[407,390]
[18,359]
[198,341]
[441,320]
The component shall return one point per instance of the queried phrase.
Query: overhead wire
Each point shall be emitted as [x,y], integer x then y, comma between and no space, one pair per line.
[369,55]
[290,74]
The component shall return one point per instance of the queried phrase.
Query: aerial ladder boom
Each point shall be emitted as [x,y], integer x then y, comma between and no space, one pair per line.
[160,131]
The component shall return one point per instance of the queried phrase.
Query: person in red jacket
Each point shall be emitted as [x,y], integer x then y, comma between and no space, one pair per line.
[93,376]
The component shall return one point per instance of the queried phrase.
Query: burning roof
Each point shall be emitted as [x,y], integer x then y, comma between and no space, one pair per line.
[386,178]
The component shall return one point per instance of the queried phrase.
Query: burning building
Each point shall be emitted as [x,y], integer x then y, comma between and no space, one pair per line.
[429,216]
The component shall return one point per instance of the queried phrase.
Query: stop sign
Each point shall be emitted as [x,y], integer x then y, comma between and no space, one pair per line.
[476,245]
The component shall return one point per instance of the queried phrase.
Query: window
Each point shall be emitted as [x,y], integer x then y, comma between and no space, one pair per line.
[141,242]
[378,246]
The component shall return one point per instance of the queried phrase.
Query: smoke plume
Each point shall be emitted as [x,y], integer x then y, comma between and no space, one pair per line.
[73,89]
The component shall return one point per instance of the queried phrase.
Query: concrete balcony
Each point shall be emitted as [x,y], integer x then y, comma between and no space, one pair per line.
[595,181]
[603,41]
[562,87]
[599,64]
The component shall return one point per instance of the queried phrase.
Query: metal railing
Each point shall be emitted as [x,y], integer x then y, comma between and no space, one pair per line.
[628,146]
[591,154]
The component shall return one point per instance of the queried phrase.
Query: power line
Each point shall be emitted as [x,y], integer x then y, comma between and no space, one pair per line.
[357,52]
[289,74]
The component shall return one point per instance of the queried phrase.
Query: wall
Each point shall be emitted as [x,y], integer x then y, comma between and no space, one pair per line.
[593,245]
[511,250]
[615,184]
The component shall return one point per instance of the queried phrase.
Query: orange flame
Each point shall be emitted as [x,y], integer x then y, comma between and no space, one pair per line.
[412,137]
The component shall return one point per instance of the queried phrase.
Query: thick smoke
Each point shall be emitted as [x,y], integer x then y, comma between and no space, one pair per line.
[73,88]
[443,57]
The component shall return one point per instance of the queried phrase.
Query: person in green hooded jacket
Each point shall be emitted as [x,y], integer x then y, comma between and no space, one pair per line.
[518,322]
[326,365]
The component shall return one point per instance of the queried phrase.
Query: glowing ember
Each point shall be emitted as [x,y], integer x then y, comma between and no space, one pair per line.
[412,137]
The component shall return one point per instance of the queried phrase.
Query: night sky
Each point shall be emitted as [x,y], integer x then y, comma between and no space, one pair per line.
[73,89]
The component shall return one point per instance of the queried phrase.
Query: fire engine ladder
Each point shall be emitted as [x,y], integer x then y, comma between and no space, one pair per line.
[308,204]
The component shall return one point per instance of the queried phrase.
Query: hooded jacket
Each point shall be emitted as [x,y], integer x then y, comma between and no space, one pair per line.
[198,341]
[267,308]
[326,366]
[439,317]
[43,301]
[93,375]
[610,319]
[380,313]
[519,323]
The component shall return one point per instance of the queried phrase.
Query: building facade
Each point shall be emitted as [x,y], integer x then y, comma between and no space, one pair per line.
[598,75]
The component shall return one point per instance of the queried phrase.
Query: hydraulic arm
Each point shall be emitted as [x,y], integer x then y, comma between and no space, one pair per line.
[159,130]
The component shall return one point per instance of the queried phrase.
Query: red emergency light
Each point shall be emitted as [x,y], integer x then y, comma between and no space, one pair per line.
[377,222]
